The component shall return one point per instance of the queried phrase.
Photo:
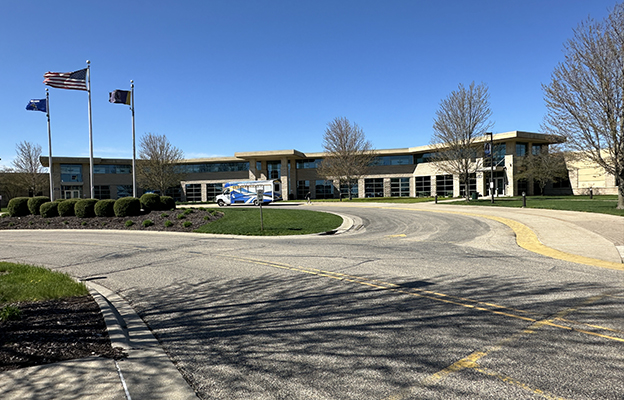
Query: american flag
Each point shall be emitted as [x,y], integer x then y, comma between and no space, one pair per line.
[76,80]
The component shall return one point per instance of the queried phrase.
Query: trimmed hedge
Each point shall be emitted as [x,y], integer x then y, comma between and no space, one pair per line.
[18,207]
[49,209]
[105,208]
[127,207]
[34,203]
[167,203]
[66,207]
[150,202]
[85,208]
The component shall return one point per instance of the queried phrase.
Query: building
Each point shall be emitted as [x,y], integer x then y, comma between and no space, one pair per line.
[404,172]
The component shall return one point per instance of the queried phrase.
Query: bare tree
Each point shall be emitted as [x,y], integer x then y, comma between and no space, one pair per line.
[349,154]
[546,166]
[585,98]
[158,167]
[463,117]
[29,175]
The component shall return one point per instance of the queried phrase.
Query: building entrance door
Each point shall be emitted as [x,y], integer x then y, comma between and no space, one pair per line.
[499,186]
[72,194]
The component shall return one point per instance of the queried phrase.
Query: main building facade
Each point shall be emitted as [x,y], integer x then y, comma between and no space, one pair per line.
[404,172]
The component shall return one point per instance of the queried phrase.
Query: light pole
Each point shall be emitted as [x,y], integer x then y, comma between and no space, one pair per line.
[490,137]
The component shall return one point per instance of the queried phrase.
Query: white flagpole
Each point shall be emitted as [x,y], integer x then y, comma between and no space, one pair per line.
[90,132]
[134,184]
[49,145]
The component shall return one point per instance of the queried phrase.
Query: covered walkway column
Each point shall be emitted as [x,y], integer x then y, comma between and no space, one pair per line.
[285,178]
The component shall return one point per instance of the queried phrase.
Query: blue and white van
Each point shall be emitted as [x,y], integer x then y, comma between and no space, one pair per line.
[246,192]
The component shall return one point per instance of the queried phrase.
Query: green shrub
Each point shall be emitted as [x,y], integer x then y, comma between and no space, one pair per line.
[49,209]
[167,203]
[127,207]
[105,208]
[186,224]
[18,207]
[85,208]
[164,215]
[181,216]
[66,207]
[168,224]
[147,223]
[10,313]
[34,203]
[129,223]
[151,202]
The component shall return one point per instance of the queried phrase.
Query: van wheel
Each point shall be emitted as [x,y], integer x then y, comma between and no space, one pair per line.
[220,202]
[256,202]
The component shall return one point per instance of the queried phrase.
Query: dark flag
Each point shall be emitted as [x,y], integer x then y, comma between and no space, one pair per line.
[37,105]
[120,97]
[76,80]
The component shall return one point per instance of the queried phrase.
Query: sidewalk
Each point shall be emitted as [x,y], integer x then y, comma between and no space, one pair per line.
[592,237]
[146,374]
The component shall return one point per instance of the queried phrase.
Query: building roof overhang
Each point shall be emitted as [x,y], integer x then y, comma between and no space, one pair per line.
[270,155]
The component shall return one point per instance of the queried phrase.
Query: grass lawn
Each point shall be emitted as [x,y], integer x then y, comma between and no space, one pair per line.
[23,283]
[19,282]
[599,204]
[246,221]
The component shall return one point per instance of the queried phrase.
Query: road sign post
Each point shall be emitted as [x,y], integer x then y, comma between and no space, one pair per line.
[260,200]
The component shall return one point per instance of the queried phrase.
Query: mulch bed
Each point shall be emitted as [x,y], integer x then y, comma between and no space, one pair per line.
[197,217]
[55,330]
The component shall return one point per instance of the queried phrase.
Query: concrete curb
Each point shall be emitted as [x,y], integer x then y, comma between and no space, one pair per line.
[147,373]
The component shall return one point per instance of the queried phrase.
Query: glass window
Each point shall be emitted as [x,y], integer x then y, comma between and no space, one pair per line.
[175,192]
[373,187]
[214,167]
[71,173]
[423,186]
[424,158]
[124,191]
[213,190]
[521,149]
[112,169]
[399,187]
[324,189]
[444,185]
[536,149]
[500,150]
[303,187]
[523,186]
[472,185]
[102,192]
[274,169]
[308,164]
[394,160]
[344,190]
[193,192]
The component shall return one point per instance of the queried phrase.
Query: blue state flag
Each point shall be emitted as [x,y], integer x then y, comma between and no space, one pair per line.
[38,105]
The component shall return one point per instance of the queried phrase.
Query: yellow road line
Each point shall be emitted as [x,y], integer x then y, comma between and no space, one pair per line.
[515,382]
[440,297]
[525,237]
[471,361]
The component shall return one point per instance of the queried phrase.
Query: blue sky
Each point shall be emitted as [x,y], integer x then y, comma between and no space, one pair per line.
[219,77]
